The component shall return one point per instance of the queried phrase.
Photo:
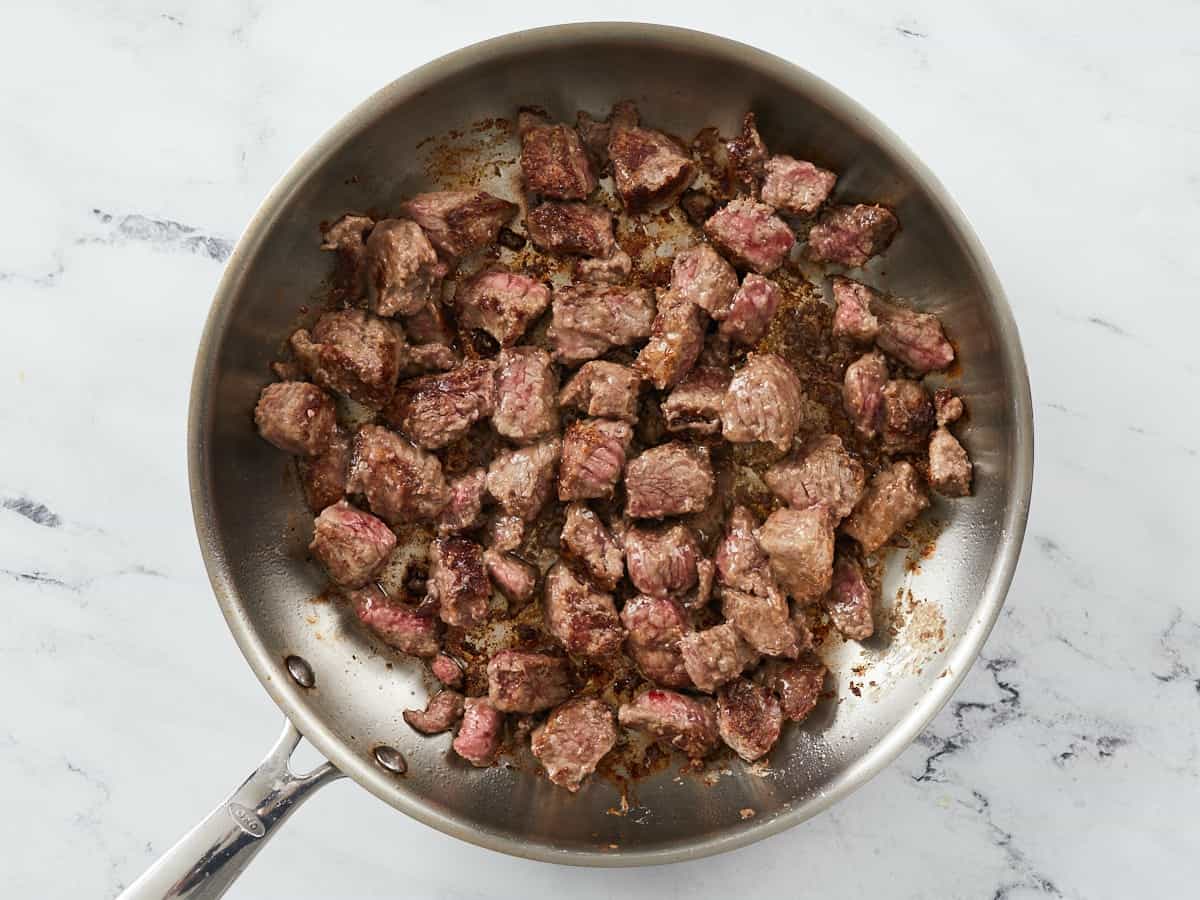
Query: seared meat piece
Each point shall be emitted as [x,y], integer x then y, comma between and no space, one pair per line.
[916,339]
[947,405]
[695,405]
[715,656]
[819,473]
[573,740]
[523,682]
[862,392]
[428,325]
[671,480]
[700,274]
[676,338]
[764,402]
[593,455]
[403,268]
[851,235]
[654,626]
[421,359]
[595,134]
[764,622]
[853,318]
[741,562]
[582,619]
[352,545]
[347,237]
[447,670]
[605,390]
[697,206]
[401,482]
[502,303]
[504,532]
[353,353]
[752,234]
[297,417]
[457,582]
[323,477]
[687,724]
[949,466]
[747,156]
[441,712]
[478,738]
[662,560]
[554,162]
[512,577]
[522,480]
[587,542]
[396,624]
[907,416]
[649,168]
[590,319]
[572,228]
[796,187]
[464,509]
[893,499]
[749,718]
[797,684]
[751,311]
[849,601]
[799,544]
[613,269]
[436,410]
[706,571]
[526,395]
[459,222]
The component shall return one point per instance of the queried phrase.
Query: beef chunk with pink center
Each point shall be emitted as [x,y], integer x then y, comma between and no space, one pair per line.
[851,235]
[752,234]
[297,417]
[502,303]
[674,479]
[352,545]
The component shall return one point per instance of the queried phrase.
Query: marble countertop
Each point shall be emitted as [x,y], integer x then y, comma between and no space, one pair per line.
[137,140]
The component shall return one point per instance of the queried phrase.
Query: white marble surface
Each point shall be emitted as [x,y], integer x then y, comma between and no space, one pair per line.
[138,138]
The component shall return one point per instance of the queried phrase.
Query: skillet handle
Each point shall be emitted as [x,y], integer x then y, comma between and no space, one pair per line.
[205,861]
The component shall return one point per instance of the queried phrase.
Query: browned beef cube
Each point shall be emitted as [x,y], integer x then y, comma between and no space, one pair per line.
[799,544]
[649,168]
[502,303]
[572,228]
[459,222]
[323,477]
[679,722]
[297,417]
[741,562]
[862,392]
[421,359]
[764,622]
[588,543]
[751,311]
[695,405]
[764,402]
[752,234]
[573,740]
[676,338]
[512,577]
[849,601]
[352,545]
[948,406]
[671,480]
[949,465]
[457,581]
[403,268]
[593,456]
[396,624]
[478,738]
[819,473]
[851,235]
[440,713]
[747,156]
[893,499]
[436,410]
[353,353]
[522,480]
[915,339]
[402,482]
[526,395]
[347,237]
[524,682]
[583,619]
[662,560]
[504,532]
[604,390]
[447,670]
[595,133]
[614,269]
[715,656]
[796,187]
[749,719]
[700,274]
[554,162]
[797,684]
[655,626]
[908,416]
[464,510]
[428,325]
[591,319]
[853,318]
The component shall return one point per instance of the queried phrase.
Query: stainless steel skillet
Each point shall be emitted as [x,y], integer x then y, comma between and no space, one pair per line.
[345,695]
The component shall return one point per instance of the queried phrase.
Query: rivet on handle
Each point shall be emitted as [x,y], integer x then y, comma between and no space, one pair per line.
[391,759]
[300,671]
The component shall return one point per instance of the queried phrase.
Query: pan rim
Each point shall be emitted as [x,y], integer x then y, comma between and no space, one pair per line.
[290,699]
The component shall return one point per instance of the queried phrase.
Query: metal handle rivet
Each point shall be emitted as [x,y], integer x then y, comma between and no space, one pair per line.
[300,671]
[391,759]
